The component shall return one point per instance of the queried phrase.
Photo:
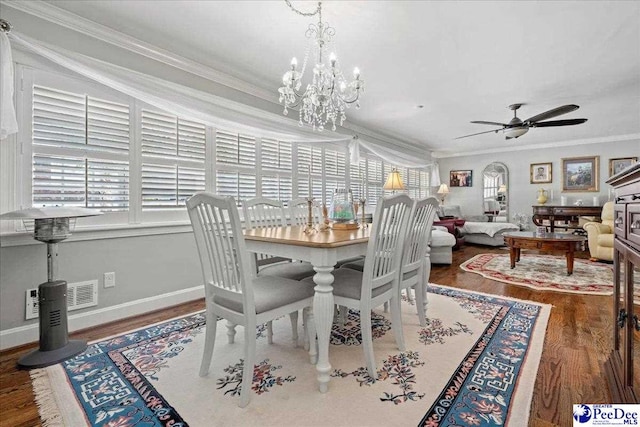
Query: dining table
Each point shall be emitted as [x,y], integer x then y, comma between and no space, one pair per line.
[323,249]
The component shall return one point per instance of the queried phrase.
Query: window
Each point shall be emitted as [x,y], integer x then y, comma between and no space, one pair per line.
[309,171]
[358,173]
[90,146]
[276,161]
[335,171]
[173,160]
[80,151]
[235,165]
[417,184]
[373,181]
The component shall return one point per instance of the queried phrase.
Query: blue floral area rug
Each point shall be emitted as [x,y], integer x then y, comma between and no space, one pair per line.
[474,364]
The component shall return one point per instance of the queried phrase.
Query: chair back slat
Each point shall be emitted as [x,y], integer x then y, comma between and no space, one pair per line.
[418,234]
[221,247]
[261,212]
[386,241]
[299,212]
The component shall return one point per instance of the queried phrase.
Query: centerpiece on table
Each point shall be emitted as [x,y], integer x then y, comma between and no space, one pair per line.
[341,211]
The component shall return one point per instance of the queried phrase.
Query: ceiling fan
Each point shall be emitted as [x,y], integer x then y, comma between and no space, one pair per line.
[516,127]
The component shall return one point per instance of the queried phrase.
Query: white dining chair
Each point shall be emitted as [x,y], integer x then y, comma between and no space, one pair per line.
[261,212]
[232,291]
[415,264]
[299,212]
[378,282]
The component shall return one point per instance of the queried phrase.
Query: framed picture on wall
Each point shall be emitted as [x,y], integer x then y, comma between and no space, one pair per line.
[581,174]
[618,165]
[461,178]
[540,173]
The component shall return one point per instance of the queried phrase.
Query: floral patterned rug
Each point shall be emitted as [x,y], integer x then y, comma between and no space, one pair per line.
[547,272]
[474,364]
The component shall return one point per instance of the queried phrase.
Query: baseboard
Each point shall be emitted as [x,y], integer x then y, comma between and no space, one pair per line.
[29,333]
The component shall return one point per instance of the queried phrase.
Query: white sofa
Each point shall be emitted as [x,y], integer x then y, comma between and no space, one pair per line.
[477,230]
[486,233]
[441,245]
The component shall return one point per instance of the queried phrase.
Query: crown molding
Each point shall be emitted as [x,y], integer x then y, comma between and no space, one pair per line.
[56,15]
[556,144]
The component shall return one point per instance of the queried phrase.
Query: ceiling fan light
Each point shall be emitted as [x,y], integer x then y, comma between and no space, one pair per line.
[515,131]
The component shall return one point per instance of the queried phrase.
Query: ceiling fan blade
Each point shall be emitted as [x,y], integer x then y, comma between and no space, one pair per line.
[567,122]
[479,133]
[482,122]
[552,113]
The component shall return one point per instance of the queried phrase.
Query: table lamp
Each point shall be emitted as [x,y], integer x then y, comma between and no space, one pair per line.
[51,225]
[394,181]
[443,191]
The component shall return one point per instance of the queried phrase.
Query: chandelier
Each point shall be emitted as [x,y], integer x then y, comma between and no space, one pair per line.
[328,95]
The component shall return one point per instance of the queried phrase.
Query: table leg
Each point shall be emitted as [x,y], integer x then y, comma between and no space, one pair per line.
[512,256]
[569,256]
[323,317]
[517,254]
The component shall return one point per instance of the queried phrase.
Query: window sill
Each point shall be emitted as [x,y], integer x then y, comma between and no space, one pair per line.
[102,232]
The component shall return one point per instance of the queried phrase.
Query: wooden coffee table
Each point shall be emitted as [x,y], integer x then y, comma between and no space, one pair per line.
[549,242]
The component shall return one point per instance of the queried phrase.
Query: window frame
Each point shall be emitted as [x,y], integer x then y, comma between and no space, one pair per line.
[17,179]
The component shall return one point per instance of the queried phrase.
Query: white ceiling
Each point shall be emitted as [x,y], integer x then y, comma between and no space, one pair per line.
[462,60]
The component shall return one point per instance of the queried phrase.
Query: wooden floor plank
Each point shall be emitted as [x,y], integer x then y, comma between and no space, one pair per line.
[577,343]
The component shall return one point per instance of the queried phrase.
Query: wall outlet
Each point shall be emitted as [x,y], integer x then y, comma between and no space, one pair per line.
[31,309]
[110,280]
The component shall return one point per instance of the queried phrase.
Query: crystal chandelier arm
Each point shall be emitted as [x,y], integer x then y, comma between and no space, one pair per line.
[318,10]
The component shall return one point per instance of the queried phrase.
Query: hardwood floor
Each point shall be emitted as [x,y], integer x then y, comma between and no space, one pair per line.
[576,344]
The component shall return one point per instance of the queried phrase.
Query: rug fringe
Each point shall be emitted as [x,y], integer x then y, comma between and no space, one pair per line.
[50,415]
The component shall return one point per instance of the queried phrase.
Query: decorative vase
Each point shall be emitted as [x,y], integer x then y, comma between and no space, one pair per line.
[341,210]
[542,196]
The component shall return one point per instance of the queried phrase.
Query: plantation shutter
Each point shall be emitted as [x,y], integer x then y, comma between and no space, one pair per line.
[276,155]
[236,165]
[374,181]
[358,175]
[425,183]
[309,158]
[235,149]
[335,172]
[413,181]
[276,162]
[241,186]
[80,151]
[275,187]
[173,152]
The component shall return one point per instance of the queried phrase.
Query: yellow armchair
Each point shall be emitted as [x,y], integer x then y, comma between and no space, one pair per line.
[600,235]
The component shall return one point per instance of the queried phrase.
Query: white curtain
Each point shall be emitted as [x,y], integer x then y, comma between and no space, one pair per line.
[8,123]
[194,104]
[357,144]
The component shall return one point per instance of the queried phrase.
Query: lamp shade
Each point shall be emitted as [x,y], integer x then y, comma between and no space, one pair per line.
[502,189]
[444,189]
[394,181]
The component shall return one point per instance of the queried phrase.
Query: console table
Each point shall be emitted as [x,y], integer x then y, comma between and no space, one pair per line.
[563,216]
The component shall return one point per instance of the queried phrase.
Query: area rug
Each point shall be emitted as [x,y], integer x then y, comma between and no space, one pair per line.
[547,272]
[475,363]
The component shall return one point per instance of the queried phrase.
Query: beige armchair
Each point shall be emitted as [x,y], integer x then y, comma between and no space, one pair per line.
[601,235]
